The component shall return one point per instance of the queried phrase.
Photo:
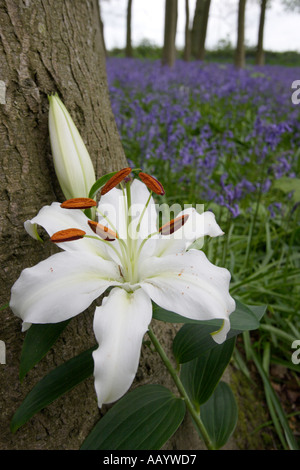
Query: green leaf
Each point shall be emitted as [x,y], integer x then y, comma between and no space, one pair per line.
[219,415]
[258,310]
[38,340]
[201,375]
[56,383]
[245,317]
[194,339]
[144,419]
[99,183]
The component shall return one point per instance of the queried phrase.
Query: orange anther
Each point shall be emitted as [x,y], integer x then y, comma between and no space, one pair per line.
[79,203]
[115,180]
[67,235]
[103,232]
[173,225]
[152,183]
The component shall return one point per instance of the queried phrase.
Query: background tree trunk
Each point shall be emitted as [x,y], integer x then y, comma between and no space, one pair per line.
[260,56]
[169,49]
[196,28]
[128,50]
[239,60]
[187,33]
[200,53]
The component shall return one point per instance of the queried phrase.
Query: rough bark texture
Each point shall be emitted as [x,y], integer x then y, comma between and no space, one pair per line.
[239,60]
[169,49]
[102,29]
[260,56]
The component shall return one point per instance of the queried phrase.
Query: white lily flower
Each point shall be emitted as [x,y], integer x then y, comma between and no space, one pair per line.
[72,162]
[140,262]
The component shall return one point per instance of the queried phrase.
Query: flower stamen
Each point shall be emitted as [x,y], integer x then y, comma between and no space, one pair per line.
[115,180]
[152,183]
[103,232]
[67,235]
[79,203]
[173,225]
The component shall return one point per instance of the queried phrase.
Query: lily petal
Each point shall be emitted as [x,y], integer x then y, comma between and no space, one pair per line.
[53,219]
[119,326]
[112,211]
[61,286]
[188,284]
[114,205]
[196,226]
[139,198]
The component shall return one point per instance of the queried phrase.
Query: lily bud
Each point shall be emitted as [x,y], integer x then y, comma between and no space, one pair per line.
[103,232]
[72,163]
[68,235]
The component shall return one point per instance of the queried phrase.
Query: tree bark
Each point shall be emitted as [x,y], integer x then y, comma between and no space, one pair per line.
[187,33]
[239,60]
[128,50]
[260,56]
[169,49]
[102,29]
[45,47]
[196,28]
[200,53]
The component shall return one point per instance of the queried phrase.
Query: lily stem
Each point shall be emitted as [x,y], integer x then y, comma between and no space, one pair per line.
[194,413]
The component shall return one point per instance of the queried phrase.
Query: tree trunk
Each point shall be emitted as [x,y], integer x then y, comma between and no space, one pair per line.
[169,49]
[196,29]
[128,50]
[260,56]
[203,30]
[187,33]
[102,29]
[239,61]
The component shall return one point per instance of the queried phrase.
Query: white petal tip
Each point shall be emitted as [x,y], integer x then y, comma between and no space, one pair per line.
[31,229]
[25,326]
[220,335]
